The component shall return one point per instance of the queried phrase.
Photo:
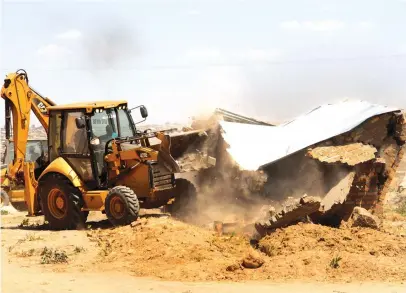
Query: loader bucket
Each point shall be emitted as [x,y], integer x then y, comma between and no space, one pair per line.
[189,149]
[184,142]
[165,153]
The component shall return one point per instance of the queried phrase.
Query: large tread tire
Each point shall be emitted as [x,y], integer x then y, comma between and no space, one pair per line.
[5,200]
[85,215]
[74,218]
[185,199]
[128,203]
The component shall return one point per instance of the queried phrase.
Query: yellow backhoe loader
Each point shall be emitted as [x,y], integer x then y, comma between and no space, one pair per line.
[97,159]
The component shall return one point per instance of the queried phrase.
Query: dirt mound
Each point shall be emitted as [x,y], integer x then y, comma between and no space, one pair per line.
[325,253]
[169,249]
[172,250]
[307,237]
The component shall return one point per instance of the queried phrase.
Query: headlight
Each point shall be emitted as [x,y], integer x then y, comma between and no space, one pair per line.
[95,141]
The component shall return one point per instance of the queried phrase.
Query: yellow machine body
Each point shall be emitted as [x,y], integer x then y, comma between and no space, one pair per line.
[97,160]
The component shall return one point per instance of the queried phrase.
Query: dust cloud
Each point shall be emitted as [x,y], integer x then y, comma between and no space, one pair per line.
[111,47]
[231,195]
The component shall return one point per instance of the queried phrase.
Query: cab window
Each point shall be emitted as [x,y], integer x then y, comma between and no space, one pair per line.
[75,139]
[104,125]
[125,124]
[54,134]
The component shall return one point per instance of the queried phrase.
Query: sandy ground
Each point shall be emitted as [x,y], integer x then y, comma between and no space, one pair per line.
[17,279]
[157,251]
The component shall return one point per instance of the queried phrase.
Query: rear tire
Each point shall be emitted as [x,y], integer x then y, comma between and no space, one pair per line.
[61,203]
[85,215]
[122,206]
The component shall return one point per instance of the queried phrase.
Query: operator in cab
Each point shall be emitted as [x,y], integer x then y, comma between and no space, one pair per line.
[110,134]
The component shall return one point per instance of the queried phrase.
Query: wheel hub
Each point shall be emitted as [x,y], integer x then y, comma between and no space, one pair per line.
[117,207]
[57,203]
[60,203]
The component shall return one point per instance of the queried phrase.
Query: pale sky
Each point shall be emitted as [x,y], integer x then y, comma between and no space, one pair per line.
[267,59]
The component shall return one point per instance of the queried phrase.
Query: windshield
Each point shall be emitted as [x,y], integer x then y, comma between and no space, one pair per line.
[106,126]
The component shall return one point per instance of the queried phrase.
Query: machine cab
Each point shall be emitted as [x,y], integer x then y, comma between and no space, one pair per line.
[79,133]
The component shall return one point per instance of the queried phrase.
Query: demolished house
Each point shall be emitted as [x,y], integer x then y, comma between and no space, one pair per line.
[318,166]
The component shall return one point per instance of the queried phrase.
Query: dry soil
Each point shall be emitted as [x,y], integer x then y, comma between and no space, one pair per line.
[157,252]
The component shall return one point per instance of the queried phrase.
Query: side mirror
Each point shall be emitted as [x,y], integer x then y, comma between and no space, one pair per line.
[80,123]
[144,112]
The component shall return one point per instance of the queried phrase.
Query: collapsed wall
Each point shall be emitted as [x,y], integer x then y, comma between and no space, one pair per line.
[353,169]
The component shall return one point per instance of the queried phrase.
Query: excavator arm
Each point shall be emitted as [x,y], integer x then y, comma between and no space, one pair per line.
[20,99]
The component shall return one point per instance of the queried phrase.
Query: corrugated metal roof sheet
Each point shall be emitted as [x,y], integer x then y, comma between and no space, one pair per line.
[272,143]
[234,117]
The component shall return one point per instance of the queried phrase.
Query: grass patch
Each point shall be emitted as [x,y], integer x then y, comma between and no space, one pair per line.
[79,249]
[27,253]
[335,262]
[24,223]
[28,237]
[106,248]
[50,256]
[33,237]
[402,209]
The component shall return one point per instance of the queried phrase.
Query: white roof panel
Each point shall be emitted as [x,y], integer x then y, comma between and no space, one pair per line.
[253,146]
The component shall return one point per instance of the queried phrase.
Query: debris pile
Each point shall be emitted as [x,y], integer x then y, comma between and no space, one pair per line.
[252,262]
[327,164]
[289,214]
[173,250]
[305,237]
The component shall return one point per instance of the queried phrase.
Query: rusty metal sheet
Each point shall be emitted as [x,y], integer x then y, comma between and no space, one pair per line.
[351,154]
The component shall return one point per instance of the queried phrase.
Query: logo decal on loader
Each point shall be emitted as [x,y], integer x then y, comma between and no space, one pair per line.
[42,107]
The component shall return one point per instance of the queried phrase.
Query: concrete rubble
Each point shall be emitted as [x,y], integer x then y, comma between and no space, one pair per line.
[326,179]
[362,218]
[289,214]
[252,262]
[350,154]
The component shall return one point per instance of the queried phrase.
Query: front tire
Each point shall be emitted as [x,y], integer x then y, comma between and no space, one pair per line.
[61,203]
[122,206]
